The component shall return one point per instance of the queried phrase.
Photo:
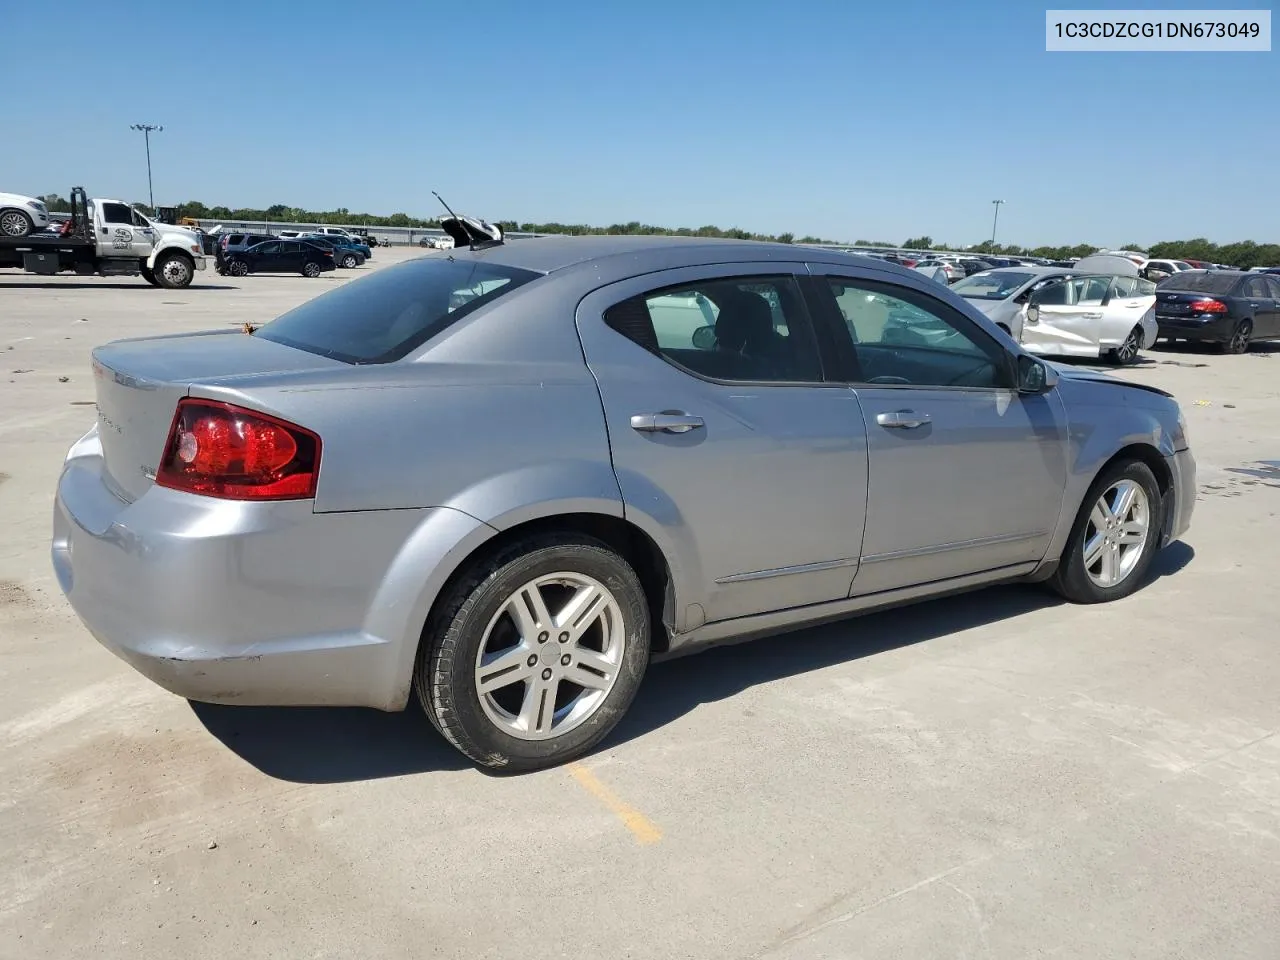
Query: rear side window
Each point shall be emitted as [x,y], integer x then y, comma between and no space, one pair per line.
[390,313]
[749,329]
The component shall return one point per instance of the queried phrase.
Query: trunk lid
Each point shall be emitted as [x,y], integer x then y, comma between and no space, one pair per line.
[138,384]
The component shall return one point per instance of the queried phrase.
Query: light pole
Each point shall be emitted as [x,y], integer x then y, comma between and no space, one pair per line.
[146,129]
[995,220]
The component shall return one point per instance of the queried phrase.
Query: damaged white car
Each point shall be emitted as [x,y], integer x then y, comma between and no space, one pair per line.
[1110,315]
[1100,307]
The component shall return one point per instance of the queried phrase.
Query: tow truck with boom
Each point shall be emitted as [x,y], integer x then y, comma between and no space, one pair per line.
[108,238]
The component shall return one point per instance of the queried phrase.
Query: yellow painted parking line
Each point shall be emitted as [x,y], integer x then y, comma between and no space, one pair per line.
[641,827]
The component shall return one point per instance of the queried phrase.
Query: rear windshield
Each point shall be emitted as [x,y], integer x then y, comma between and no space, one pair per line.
[384,316]
[1210,281]
[992,285]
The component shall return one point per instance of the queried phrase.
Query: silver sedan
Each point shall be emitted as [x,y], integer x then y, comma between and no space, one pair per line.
[507,477]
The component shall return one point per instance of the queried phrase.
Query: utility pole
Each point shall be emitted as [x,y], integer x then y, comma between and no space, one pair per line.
[995,220]
[146,129]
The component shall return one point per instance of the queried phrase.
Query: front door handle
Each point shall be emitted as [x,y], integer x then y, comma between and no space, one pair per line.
[902,419]
[1092,316]
[665,422]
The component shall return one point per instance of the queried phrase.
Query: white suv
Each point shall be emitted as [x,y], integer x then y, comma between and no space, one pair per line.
[21,215]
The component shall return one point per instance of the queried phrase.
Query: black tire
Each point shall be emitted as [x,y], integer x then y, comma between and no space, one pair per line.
[1127,353]
[349,261]
[149,275]
[238,268]
[15,223]
[1071,580]
[174,271]
[311,270]
[1240,337]
[444,676]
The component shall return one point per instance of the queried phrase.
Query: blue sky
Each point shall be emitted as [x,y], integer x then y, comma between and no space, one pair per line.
[843,119]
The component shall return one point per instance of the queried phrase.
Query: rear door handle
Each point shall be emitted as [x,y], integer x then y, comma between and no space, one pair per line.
[902,419]
[666,422]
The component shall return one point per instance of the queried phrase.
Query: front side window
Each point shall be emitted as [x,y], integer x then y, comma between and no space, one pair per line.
[748,329]
[385,316]
[907,338]
[117,213]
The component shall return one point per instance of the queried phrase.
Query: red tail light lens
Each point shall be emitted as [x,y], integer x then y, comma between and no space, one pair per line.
[1208,306]
[221,450]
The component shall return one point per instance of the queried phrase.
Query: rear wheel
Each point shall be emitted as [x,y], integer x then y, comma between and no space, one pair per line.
[1115,536]
[1240,337]
[1127,352]
[238,268]
[15,223]
[311,270]
[535,656]
[175,270]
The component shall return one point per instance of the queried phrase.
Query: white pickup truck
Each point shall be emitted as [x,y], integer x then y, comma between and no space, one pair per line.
[110,239]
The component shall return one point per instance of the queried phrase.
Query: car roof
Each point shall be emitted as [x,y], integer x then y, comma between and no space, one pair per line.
[550,254]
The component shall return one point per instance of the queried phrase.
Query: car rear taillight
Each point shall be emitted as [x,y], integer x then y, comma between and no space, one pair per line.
[1208,306]
[221,450]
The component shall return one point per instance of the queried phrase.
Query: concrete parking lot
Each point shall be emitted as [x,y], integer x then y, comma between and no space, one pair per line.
[995,775]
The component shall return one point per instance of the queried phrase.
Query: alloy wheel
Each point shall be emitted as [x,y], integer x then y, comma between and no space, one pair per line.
[1239,342]
[550,656]
[1127,352]
[13,224]
[1117,534]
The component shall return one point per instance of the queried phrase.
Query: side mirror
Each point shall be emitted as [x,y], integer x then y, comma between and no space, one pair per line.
[1035,376]
[704,338]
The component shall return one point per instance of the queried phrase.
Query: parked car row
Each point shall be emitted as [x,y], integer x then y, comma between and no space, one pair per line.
[239,254]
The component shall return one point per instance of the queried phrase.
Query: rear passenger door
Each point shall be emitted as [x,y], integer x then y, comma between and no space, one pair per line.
[1266,314]
[265,257]
[727,439]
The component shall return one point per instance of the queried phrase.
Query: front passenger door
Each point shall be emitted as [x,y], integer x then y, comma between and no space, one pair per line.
[1065,318]
[965,475]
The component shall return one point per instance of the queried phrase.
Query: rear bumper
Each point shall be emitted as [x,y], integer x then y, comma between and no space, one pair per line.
[246,603]
[1190,328]
[1181,498]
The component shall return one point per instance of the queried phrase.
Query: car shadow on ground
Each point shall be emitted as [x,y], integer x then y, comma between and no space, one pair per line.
[337,745]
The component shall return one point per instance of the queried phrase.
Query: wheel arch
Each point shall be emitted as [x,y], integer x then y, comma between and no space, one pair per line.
[422,576]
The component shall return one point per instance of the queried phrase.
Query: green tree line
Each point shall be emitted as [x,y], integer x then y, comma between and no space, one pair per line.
[1244,253]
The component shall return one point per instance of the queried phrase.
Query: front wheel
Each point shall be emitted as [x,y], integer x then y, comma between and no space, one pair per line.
[535,656]
[1240,337]
[1115,536]
[15,223]
[311,270]
[174,271]
[1127,352]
